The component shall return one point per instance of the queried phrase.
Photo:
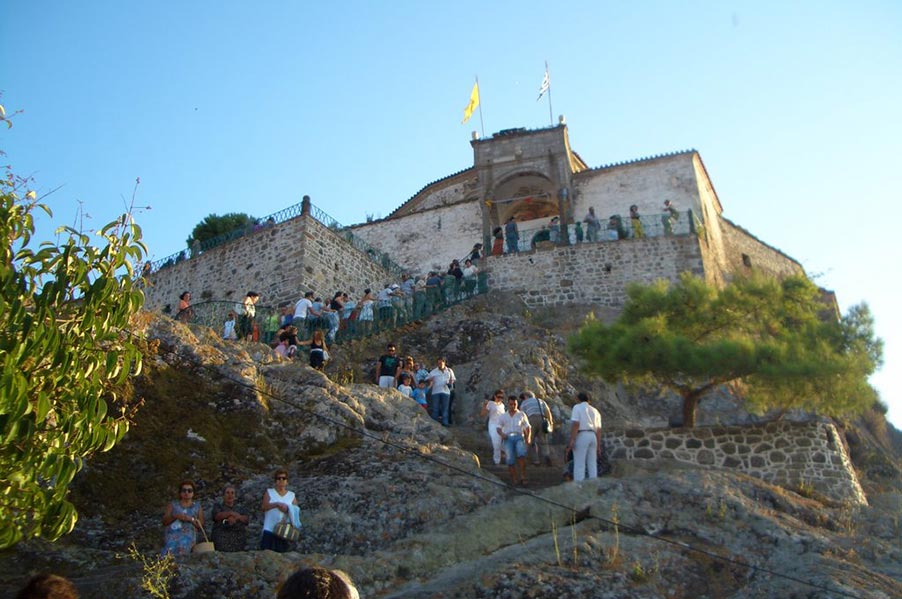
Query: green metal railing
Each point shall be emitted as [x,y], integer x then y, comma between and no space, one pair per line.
[261,224]
[353,323]
[616,228]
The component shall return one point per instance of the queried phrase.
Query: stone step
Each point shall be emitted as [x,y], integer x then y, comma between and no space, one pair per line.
[537,476]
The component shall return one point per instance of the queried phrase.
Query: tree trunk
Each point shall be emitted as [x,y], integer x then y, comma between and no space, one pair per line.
[690,405]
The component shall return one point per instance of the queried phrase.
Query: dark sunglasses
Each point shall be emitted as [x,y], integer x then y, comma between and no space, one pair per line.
[187,490]
[281,477]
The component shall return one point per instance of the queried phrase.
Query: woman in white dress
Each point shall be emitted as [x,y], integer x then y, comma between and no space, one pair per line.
[494,408]
[276,505]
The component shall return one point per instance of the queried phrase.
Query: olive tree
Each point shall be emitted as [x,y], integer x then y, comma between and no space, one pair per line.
[65,353]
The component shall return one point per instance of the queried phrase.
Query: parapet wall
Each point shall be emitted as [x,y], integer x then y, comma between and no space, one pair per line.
[744,252]
[279,262]
[789,454]
[596,273]
[427,240]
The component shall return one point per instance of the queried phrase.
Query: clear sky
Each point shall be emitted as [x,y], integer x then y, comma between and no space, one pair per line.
[224,106]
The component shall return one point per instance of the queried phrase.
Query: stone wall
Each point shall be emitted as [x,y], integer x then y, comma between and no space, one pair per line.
[645,183]
[427,240]
[595,273]
[278,262]
[710,232]
[332,264]
[792,455]
[744,253]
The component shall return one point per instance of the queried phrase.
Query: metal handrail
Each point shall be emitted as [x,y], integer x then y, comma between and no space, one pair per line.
[261,224]
[377,256]
[200,247]
[652,226]
[400,312]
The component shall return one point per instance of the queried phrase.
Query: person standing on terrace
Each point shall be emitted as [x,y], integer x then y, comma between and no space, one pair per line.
[512,236]
[246,322]
[636,222]
[593,226]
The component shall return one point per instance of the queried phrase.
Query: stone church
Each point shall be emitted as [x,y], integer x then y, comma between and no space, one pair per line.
[530,176]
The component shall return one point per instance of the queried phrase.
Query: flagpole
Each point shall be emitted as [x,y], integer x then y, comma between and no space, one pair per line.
[481,124]
[550,113]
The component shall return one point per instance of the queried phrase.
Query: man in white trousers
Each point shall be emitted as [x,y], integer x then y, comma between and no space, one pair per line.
[585,438]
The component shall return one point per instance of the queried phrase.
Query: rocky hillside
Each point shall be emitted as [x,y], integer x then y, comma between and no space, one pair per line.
[406,507]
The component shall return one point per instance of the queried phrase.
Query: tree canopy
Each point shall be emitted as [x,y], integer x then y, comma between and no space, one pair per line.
[776,339]
[214,225]
[65,352]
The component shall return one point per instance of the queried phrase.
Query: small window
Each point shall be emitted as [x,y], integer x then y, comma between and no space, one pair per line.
[746,261]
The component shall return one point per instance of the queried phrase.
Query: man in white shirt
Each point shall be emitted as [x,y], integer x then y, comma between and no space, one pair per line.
[301,309]
[513,426]
[441,379]
[585,438]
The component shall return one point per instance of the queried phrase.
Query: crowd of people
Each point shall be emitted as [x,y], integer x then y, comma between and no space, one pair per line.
[317,324]
[518,427]
[507,237]
[522,427]
[433,390]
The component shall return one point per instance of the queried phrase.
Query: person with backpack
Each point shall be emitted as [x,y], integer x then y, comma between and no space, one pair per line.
[541,422]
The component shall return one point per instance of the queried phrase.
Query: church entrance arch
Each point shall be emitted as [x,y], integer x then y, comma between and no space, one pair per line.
[530,198]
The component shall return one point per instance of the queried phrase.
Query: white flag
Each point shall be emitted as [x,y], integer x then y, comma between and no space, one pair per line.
[546,83]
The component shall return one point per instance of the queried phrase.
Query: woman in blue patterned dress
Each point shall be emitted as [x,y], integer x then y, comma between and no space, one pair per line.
[181,521]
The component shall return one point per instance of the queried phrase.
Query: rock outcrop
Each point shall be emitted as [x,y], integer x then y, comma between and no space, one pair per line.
[405,507]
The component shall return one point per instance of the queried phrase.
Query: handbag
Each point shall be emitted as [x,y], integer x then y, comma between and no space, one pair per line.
[284,530]
[204,546]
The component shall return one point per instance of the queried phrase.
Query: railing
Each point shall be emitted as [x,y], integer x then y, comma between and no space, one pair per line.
[261,224]
[375,255]
[621,228]
[202,246]
[353,323]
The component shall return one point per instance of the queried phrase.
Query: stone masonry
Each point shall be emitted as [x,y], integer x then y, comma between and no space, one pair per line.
[279,262]
[790,454]
[533,175]
[596,273]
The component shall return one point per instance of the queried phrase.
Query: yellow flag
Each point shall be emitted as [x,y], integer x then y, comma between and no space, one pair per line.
[474,102]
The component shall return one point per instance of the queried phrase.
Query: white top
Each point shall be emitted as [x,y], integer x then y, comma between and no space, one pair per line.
[442,380]
[300,308]
[406,390]
[495,410]
[249,308]
[274,515]
[513,424]
[588,417]
[384,297]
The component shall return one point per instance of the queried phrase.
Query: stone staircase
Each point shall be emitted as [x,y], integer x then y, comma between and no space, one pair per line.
[537,476]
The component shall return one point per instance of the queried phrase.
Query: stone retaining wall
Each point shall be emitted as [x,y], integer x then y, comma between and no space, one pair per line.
[279,262]
[789,454]
[596,273]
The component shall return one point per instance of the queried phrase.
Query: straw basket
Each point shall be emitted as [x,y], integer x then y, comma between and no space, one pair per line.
[205,546]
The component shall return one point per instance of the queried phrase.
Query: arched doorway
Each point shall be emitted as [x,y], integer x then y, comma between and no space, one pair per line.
[530,198]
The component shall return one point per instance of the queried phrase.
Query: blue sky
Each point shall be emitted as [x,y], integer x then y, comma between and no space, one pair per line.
[245,107]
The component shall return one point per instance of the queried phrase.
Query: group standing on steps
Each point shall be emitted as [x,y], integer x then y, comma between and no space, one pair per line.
[518,428]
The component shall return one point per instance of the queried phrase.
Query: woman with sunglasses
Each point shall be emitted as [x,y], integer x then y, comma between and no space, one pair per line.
[181,520]
[276,502]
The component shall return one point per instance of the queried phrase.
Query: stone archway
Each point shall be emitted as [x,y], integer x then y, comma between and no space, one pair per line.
[530,197]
